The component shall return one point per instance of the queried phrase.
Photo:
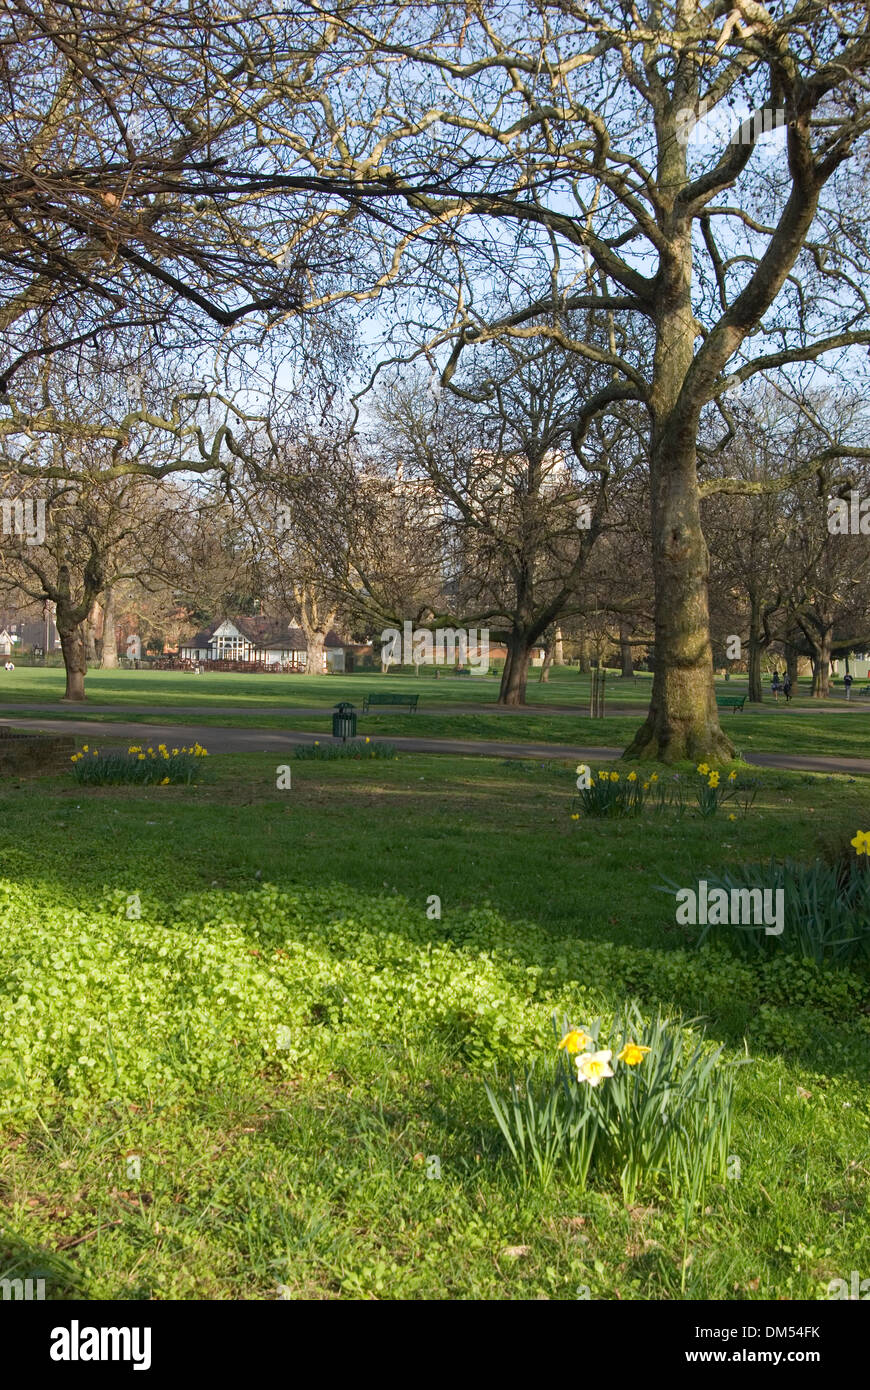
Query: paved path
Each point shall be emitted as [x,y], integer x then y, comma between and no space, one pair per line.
[12,709]
[306,711]
[234,740]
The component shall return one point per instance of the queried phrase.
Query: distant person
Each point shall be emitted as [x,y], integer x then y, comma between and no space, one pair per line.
[847,682]
[9,666]
[786,687]
[775,686]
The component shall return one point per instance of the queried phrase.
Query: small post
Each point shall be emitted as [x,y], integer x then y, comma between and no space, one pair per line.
[596,699]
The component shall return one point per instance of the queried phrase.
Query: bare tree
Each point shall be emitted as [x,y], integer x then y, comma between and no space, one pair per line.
[569,130]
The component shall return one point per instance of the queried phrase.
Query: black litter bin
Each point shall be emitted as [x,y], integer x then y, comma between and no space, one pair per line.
[344,721]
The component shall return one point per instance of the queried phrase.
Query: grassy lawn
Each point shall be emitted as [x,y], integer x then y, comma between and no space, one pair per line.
[167,688]
[236,992]
[816,733]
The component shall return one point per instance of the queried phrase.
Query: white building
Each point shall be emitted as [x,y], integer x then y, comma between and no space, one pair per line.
[268,641]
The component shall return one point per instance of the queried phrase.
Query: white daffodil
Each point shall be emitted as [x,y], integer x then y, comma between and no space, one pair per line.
[594,1066]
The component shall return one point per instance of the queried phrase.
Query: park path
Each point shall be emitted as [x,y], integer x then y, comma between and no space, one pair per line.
[234,740]
[11,708]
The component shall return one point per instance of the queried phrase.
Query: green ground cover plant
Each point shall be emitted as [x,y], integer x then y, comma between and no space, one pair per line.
[241,1039]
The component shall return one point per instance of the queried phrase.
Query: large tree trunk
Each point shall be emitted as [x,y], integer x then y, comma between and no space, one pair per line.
[512,690]
[558,649]
[91,633]
[584,663]
[546,664]
[625,652]
[314,641]
[792,656]
[821,687]
[756,647]
[109,660]
[683,721]
[72,642]
[315,624]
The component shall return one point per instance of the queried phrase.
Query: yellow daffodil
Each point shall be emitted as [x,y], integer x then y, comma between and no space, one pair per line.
[368,740]
[575,815]
[632,777]
[646,786]
[85,748]
[594,1067]
[174,752]
[575,1040]
[654,777]
[861,842]
[317,743]
[732,776]
[614,776]
[140,758]
[632,1054]
[165,782]
[713,780]
[732,817]
[703,769]
[602,776]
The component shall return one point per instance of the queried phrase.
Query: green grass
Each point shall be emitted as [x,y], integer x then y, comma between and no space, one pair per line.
[167,688]
[226,689]
[157,939]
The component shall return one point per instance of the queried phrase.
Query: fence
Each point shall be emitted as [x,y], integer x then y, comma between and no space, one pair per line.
[178,663]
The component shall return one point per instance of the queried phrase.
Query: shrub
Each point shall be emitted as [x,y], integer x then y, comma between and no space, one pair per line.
[826,910]
[357,748]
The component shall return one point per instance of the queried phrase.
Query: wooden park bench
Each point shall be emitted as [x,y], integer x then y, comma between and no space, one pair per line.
[734,702]
[390,698]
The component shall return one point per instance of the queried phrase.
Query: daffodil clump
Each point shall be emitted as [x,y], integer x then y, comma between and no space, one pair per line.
[618,794]
[651,1109]
[614,794]
[150,766]
[712,792]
